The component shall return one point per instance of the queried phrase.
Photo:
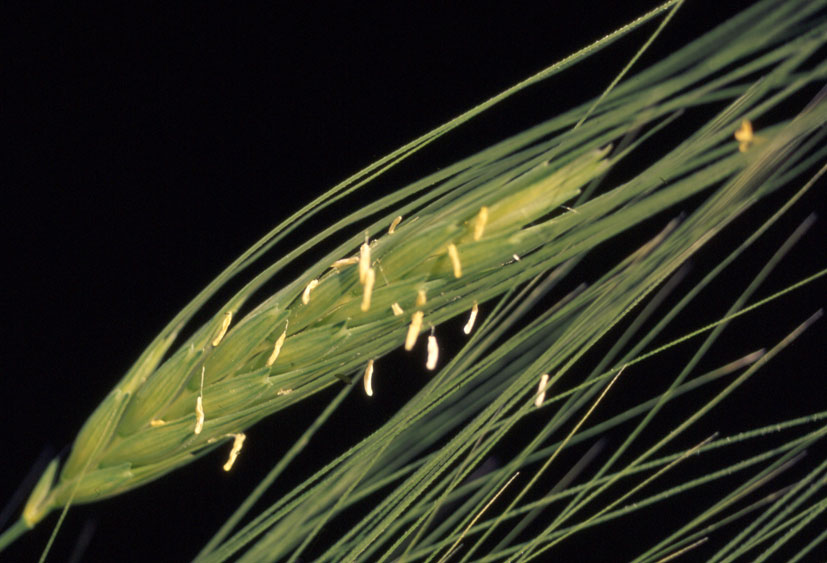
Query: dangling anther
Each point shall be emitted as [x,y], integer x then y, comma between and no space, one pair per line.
[433,353]
[394,224]
[225,324]
[368,379]
[238,441]
[453,254]
[370,279]
[469,326]
[306,293]
[397,310]
[199,406]
[413,330]
[277,347]
[541,391]
[479,222]
[421,298]
[364,260]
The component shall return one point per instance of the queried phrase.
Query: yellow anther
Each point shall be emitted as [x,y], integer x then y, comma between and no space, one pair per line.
[368,379]
[306,293]
[199,414]
[469,326]
[453,254]
[364,261]
[421,298]
[199,406]
[541,391]
[277,347]
[155,423]
[284,392]
[397,310]
[394,224]
[433,353]
[370,279]
[479,223]
[413,330]
[225,324]
[744,135]
[345,262]
[238,441]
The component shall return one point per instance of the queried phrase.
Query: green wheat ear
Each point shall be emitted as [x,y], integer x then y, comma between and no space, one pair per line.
[458,249]
[435,250]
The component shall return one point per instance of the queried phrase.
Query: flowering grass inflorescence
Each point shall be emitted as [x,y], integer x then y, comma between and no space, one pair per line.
[513,214]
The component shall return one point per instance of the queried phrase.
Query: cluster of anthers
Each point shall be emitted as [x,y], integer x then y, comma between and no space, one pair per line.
[530,196]
[367,279]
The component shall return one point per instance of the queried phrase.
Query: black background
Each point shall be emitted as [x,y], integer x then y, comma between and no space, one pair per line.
[148,148]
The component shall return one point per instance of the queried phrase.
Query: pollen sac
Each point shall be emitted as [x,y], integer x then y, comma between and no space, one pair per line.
[453,254]
[306,293]
[238,441]
[397,310]
[370,279]
[413,330]
[541,391]
[394,224]
[277,348]
[364,261]
[368,379]
[225,324]
[199,415]
[433,353]
[344,262]
[199,406]
[469,326]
